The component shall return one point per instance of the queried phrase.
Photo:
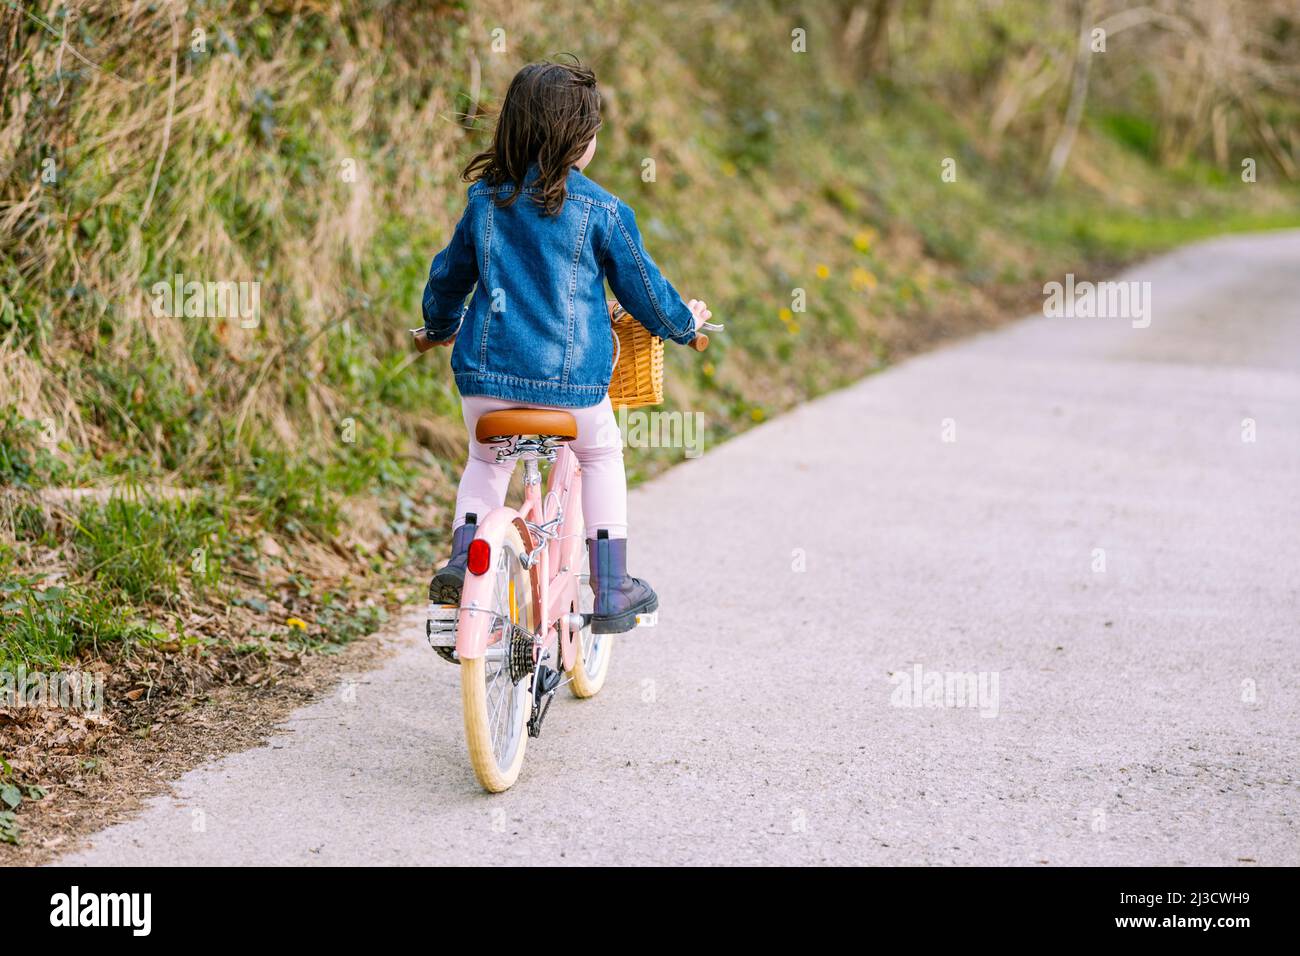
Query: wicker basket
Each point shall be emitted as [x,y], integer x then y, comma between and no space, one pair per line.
[638,378]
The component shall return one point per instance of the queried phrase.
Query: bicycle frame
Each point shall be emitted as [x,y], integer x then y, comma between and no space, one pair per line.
[551,527]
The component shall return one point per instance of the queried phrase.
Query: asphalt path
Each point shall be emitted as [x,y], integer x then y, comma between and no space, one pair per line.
[1032,598]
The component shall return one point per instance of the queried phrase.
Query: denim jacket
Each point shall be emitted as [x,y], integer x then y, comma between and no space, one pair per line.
[537,329]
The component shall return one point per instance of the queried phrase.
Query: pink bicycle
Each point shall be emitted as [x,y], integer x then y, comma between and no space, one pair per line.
[523,628]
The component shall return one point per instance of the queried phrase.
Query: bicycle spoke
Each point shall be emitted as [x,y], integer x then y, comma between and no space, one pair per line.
[499,720]
[492,717]
[502,668]
[505,713]
[494,725]
[507,724]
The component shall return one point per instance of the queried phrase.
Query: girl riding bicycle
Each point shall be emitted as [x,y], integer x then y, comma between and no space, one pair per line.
[536,245]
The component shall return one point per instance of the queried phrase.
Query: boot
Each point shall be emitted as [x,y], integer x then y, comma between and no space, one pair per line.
[446,584]
[619,598]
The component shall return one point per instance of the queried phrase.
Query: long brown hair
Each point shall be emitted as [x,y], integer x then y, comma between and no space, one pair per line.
[550,114]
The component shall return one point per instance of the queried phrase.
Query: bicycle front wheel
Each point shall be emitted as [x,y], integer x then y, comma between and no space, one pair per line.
[591,666]
[496,697]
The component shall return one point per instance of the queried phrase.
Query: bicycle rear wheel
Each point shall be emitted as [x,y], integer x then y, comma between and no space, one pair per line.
[496,705]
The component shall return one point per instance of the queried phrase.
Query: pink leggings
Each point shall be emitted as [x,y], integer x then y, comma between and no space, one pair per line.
[599,448]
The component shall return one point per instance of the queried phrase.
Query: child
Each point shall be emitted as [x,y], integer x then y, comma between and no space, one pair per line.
[536,244]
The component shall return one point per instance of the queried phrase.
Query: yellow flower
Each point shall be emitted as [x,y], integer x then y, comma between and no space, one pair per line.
[786,315]
[707,369]
[862,278]
[297,623]
[862,241]
[757,415]
[792,328]
[823,272]
[729,168]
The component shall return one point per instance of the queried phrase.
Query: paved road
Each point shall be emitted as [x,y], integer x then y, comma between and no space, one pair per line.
[1145,713]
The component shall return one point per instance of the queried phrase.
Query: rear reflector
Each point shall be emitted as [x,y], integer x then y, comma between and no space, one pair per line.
[480,556]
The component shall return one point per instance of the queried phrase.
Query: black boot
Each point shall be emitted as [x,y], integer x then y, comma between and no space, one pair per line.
[619,598]
[446,584]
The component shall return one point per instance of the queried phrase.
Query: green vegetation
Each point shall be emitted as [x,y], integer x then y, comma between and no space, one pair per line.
[287,468]
[46,628]
[137,550]
[12,795]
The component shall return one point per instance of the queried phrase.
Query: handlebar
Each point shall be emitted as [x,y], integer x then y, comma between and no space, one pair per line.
[422,344]
[699,343]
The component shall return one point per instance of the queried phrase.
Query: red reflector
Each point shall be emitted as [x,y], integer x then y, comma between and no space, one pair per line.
[480,556]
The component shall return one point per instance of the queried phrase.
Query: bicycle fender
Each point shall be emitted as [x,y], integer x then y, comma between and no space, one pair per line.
[474,623]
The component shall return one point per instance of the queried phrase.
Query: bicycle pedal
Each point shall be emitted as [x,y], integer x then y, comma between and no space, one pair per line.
[647,620]
[440,626]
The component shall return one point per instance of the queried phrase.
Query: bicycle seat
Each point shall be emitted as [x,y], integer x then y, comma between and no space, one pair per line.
[509,422]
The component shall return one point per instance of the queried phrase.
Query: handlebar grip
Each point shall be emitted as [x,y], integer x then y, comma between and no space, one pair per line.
[700,342]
